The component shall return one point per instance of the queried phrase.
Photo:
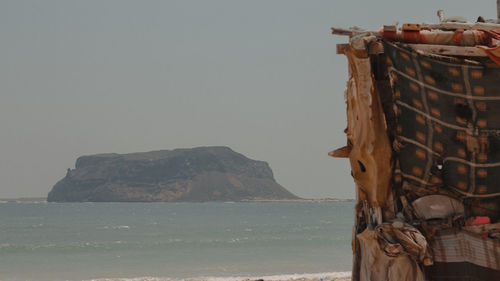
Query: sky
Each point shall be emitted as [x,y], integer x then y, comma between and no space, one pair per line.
[260,76]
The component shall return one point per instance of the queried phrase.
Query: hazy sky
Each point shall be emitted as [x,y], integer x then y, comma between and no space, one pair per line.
[262,77]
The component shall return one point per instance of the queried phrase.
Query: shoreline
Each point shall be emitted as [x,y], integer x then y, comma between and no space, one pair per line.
[323,276]
[300,200]
[320,200]
[23,200]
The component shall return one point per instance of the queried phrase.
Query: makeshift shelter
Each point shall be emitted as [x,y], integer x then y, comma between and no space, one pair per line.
[423,140]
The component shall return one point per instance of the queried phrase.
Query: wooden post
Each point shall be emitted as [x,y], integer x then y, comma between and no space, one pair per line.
[498,9]
[440,14]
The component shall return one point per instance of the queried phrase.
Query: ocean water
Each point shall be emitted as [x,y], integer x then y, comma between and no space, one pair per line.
[83,241]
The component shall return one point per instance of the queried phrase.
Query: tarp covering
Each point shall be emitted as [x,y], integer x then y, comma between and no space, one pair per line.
[464,256]
[493,47]
[463,246]
[448,123]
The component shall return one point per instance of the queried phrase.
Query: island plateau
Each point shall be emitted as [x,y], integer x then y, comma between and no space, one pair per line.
[191,175]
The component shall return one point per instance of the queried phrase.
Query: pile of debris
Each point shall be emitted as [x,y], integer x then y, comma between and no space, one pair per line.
[423,140]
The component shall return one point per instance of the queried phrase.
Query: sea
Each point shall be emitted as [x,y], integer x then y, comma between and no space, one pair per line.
[174,241]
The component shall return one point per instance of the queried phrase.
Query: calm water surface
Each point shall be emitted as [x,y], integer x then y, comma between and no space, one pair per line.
[75,241]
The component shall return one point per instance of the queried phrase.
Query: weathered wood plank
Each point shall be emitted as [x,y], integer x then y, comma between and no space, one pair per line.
[449,50]
[351,31]
[464,26]
[498,9]
[341,48]
[342,152]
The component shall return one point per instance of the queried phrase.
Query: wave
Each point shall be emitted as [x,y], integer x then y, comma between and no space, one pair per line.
[114,227]
[323,276]
[166,243]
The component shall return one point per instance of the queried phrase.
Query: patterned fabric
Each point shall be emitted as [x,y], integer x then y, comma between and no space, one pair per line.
[463,246]
[448,121]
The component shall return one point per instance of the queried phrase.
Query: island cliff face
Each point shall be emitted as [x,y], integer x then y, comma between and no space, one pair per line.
[192,175]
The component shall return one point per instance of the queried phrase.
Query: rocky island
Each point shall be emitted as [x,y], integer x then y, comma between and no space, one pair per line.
[192,175]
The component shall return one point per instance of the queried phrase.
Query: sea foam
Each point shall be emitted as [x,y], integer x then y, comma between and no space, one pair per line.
[323,276]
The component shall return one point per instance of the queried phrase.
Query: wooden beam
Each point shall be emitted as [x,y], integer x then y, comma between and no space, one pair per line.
[440,14]
[449,50]
[444,50]
[342,152]
[352,31]
[498,9]
[376,48]
[341,48]
[464,26]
